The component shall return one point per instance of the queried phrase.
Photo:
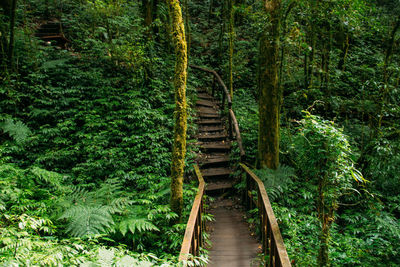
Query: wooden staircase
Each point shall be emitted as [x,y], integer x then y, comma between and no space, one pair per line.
[52,32]
[214,144]
[232,243]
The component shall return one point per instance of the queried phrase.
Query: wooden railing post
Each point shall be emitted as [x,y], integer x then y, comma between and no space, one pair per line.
[230,124]
[213,87]
[223,103]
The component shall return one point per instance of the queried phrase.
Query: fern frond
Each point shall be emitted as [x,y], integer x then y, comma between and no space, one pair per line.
[17,130]
[88,220]
[276,181]
[136,225]
[51,178]
[119,204]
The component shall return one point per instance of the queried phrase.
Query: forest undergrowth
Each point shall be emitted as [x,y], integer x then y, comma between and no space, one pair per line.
[86,132]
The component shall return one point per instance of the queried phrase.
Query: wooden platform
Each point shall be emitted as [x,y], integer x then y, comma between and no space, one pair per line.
[232,242]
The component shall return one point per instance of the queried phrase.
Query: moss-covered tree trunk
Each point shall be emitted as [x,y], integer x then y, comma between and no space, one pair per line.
[269,93]
[179,147]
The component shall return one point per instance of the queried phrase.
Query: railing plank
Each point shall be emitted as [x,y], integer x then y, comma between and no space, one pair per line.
[191,242]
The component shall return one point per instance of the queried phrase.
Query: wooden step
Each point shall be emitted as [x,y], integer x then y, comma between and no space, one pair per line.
[222,146]
[209,115]
[215,172]
[208,122]
[205,97]
[211,129]
[214,160]
[213,137]
[220,185]
[207,110]
[205,103]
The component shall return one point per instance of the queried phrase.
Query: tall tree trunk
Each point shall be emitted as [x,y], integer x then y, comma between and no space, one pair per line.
[344,53]
[326,217]
[269,111]
[222,32]
[386,75]
[12,30]
[312,40]
[179,147]
[147,12]
[231,43]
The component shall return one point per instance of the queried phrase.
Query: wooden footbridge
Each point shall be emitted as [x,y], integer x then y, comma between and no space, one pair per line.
[232,242]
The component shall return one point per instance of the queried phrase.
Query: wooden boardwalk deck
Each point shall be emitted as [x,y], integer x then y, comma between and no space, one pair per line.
[232,243]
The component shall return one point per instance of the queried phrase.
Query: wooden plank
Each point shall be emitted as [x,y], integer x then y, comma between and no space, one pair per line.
[215,146]
[205,103]
[212,172]
[206,136]
[211,129]
[207,110]
[209,115]
[211,186]
[205,96]
[215,160]
[202,122]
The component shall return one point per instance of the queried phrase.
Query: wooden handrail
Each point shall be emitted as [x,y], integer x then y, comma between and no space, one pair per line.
[272,240]
[193,238]
[219,80]
[233,124]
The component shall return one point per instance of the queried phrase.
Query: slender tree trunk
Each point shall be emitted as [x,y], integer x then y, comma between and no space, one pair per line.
[326,217]
[210,9]
[12,33]
[386,76]
[147,12]
[231,43]
[179,147]
[269,111]
[345,51]
[222,31]
[312,40]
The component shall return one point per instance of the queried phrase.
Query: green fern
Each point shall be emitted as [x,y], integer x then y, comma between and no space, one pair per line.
[17,130]
[136,225]
[90,213]
[276,181]
[88,220]
[49,177]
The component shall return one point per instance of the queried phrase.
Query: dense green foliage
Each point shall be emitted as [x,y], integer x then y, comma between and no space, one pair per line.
[86,142]
[86,131]
[349,92]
